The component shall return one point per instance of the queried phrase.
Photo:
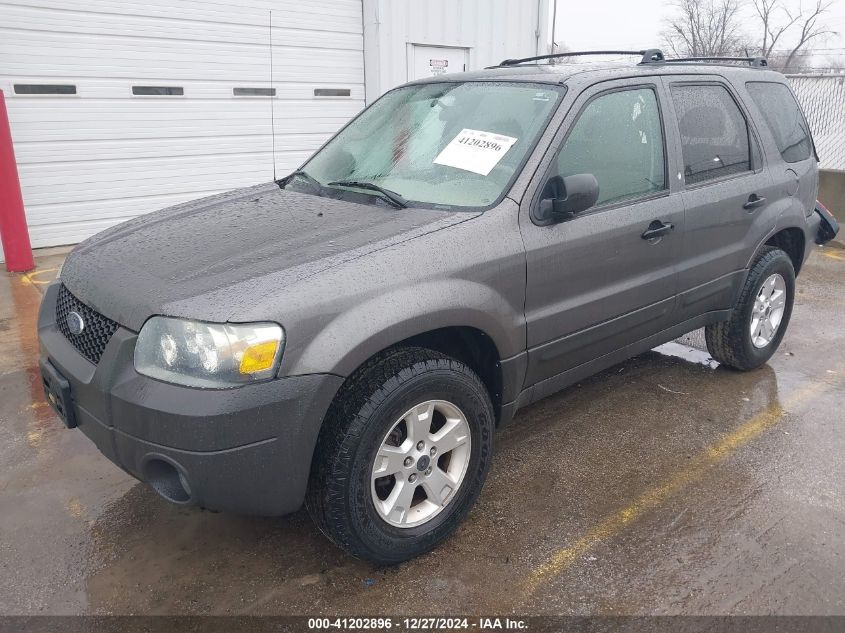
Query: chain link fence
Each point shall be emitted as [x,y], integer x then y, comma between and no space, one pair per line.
[823,99]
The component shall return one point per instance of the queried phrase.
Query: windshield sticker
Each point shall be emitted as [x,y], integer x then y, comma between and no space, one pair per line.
[475,151]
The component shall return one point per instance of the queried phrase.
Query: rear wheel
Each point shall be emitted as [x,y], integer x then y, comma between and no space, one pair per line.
[760,317]
[402,455]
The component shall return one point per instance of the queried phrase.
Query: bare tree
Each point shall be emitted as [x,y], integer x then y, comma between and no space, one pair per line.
[713,28]
[704,28]
[777,19]
[767,11]
[810,29]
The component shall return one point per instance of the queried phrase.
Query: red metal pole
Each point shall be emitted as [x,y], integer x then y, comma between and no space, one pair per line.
[13,230]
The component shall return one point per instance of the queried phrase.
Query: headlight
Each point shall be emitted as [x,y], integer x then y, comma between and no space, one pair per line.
[210,355]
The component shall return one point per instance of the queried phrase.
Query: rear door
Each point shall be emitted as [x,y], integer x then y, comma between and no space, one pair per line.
[728,194]
[594,283]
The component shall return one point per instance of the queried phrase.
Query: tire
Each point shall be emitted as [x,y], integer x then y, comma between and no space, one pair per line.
[731,342]
[368,418]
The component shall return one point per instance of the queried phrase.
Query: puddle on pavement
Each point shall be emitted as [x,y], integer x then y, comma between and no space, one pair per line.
[689,347]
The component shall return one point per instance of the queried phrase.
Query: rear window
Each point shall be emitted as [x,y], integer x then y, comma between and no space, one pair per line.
[784,118]
[714,133]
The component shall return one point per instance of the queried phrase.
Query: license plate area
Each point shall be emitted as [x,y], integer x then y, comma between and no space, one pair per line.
[57,393]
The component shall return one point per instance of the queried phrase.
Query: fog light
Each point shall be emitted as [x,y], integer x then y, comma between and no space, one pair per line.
[167,481]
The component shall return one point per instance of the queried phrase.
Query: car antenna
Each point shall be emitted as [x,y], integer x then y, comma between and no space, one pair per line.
[272,98]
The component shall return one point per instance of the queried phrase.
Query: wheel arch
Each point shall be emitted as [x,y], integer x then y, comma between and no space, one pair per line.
[451,316]
[471,346]
[467,344]
[791,240]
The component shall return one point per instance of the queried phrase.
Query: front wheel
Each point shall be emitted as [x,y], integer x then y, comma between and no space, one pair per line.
[761,314]
[402,455]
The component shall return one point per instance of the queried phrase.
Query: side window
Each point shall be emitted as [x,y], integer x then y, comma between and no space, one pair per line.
[618,138]
[714,133]
[784,118]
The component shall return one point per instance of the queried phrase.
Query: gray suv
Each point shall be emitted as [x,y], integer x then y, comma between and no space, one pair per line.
[351,336]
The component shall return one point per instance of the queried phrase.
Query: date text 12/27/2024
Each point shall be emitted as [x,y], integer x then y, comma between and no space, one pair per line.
[416,624]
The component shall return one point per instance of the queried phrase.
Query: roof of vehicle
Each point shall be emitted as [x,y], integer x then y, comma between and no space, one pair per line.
[560,73]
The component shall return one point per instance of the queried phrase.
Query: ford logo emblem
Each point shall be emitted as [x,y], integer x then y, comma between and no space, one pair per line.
[75,322]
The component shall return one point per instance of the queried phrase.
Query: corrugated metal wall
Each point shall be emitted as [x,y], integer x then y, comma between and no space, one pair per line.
[491,30]
[94,158]
[823,99]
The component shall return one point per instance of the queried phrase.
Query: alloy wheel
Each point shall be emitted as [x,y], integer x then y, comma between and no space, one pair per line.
[421,463]
[768,309]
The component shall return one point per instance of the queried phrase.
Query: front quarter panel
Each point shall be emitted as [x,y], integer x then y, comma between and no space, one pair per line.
[471,274]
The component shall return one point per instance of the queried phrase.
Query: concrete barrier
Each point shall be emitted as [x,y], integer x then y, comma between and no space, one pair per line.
[832,192]
[832,195]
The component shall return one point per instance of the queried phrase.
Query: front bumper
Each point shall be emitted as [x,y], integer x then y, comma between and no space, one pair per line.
[246,450]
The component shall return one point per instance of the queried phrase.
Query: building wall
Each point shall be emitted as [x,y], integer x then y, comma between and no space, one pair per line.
[488,30]
[100,155]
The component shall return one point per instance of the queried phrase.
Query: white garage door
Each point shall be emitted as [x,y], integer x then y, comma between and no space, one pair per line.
[121,107]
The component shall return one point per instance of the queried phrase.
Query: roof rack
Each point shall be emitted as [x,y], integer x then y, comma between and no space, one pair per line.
[648,56]
[757,62]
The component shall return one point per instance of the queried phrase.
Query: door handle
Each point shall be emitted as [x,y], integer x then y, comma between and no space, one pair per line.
[754,201]
[656,229]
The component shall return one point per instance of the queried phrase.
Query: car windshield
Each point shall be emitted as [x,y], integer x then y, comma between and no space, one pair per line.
[435,144]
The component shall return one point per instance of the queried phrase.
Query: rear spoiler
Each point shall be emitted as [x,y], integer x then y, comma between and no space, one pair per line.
[828,227]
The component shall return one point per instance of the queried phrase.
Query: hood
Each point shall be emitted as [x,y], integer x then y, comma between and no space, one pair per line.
[181,261]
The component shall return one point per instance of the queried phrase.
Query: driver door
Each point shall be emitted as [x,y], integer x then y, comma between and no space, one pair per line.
[594,283]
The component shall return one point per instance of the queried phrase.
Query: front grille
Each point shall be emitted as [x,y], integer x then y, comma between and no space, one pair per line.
[98,330]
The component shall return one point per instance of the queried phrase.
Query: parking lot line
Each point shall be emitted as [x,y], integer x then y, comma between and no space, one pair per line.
[562,558]
[29,279]
[837,255]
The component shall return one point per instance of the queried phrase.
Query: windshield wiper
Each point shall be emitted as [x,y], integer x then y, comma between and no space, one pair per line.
[394,198]
[302,174]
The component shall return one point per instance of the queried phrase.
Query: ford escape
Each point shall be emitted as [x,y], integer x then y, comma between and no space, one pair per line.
[351,336]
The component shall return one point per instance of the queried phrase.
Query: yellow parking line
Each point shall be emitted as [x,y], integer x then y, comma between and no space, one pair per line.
[651,499]
[837,255]
[29,279]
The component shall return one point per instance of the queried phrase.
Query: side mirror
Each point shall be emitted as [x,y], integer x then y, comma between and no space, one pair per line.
[564,197]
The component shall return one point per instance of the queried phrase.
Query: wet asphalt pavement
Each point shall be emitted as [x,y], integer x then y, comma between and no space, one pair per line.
[664,485]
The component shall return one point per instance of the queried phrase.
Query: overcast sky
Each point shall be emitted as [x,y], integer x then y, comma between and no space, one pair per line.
[602,24]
